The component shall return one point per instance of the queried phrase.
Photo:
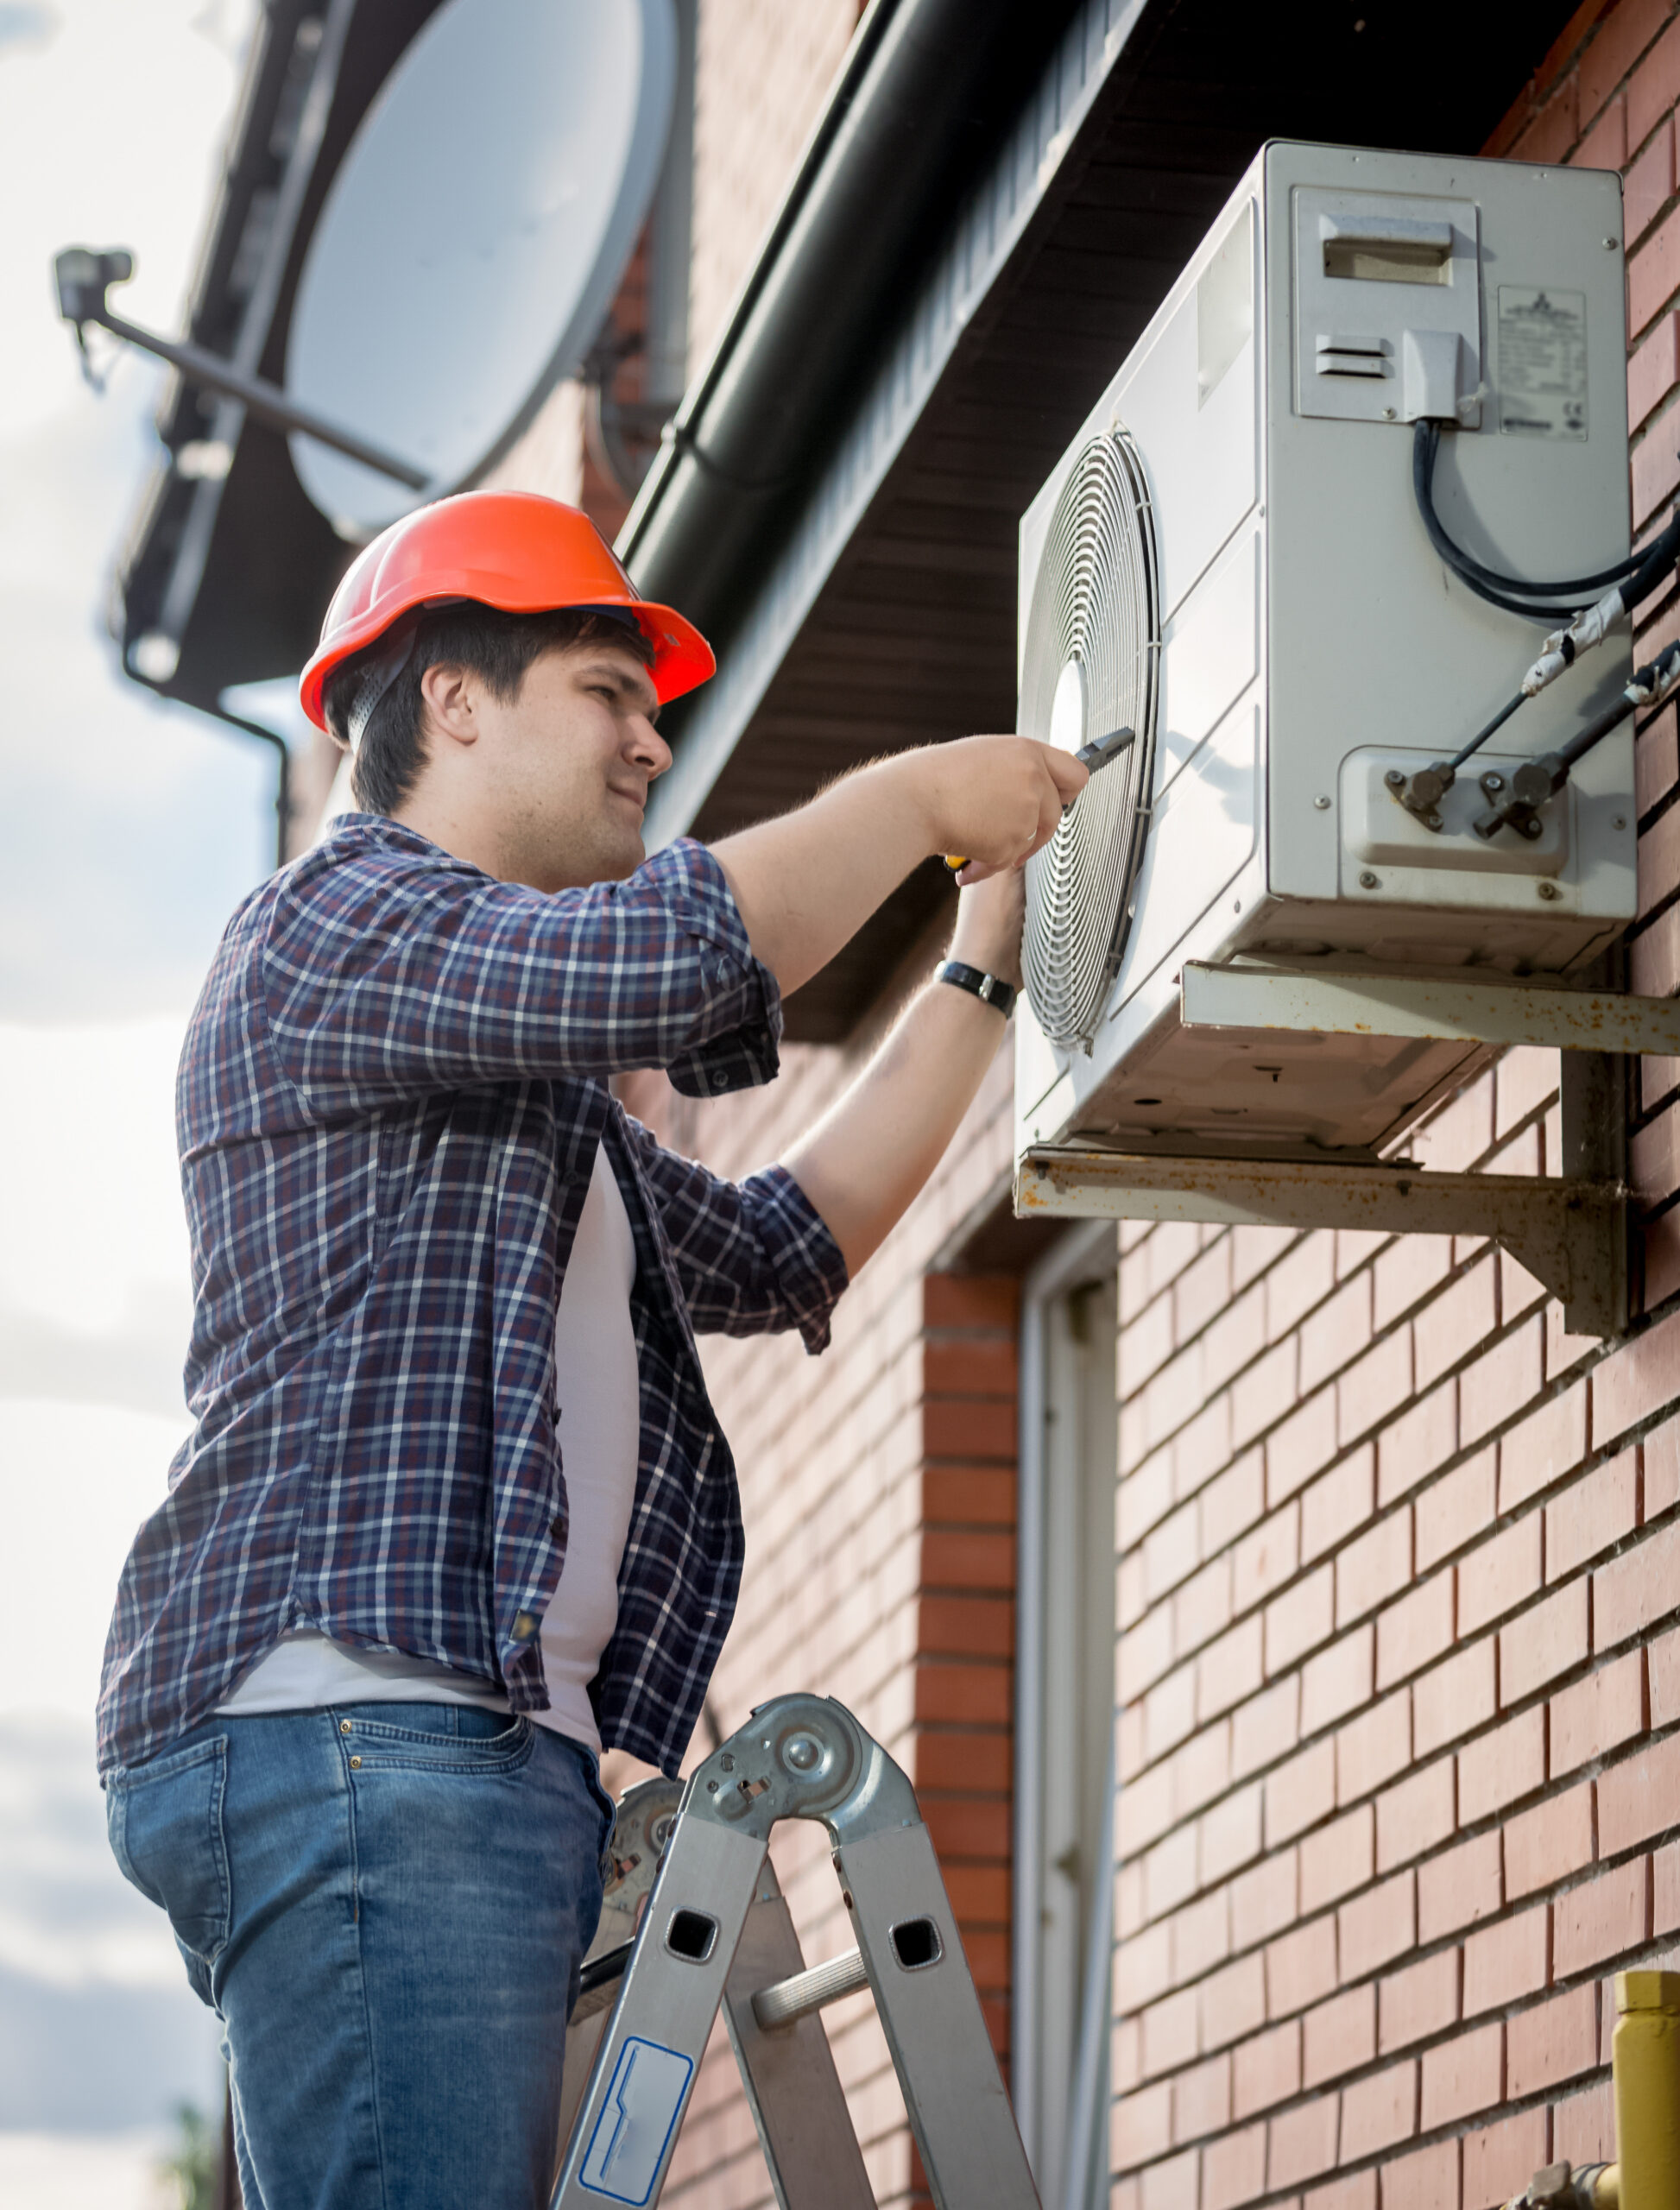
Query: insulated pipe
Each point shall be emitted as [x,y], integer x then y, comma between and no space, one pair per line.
[922,75]
[1644,2053]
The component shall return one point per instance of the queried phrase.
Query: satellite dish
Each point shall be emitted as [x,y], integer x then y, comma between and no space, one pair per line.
[474,236]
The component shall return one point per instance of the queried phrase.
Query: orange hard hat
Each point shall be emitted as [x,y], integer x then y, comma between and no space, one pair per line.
[513,550]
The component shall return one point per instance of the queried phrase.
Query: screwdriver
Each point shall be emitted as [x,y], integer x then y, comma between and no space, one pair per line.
[1097,754]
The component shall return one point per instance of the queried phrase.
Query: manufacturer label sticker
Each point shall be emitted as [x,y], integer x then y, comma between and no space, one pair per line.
[643,2104]
[1541,361]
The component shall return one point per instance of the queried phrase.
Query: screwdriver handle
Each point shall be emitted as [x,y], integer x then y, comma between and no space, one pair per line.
[1097,754]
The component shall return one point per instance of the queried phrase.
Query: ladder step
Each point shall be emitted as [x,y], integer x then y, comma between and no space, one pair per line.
[806,1992]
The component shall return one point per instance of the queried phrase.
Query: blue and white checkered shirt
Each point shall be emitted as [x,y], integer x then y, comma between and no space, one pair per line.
[389,1101]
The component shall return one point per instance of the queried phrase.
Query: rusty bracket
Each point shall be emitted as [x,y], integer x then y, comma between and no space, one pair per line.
[1569,1234]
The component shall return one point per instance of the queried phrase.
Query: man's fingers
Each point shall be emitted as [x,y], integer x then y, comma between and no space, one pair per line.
[1069,775]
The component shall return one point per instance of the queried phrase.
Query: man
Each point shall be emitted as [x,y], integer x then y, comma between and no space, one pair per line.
[455,1513]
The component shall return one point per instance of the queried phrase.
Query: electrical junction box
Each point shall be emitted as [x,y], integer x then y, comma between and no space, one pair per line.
[1228,559]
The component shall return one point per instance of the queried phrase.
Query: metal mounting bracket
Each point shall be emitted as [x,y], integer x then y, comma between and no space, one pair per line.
[1569,1234]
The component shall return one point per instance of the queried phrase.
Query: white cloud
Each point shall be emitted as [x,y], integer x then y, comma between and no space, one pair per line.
[57,2171]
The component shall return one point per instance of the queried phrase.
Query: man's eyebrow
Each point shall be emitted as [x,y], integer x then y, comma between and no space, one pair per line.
[622,679]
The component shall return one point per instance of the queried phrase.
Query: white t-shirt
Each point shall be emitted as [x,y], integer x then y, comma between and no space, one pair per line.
[595,1381]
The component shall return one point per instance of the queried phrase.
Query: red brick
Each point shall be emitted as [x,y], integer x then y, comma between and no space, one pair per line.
[1542,1643]
[1549,1444]
[1638,1797]
[1637,1589]
[961,1427]
[1654,87]
[1267,2070]
[1665,1889]
[1379,1384]
[1554,2041]
[978,1694]
[1377,1926]
[1448,1329]
[1597,1715]
[1201,1768]
[983,1301]
[1300,1446]
[1172,1551]
[1264,1901]
[1502,1766]
[1546,1845]
[1298,1621]
[1652,273]
[968,1494]
[1234,2169]
[1301,2143]
[1583,2127]
[1341,1330]
[1412,1446]
[1420,2001]
[1169,1711]
[1500,1382]
[951,1560]
[1663,1656]
[1266,1728]
[1651,378]
[1661,1455]
[1408,1271]
[1504,1963]
[1637,1379]
[1374,1568]
[1228,1670]
[1264,1393]
[1497,1576]
[1339,2035]
[1202,2101]
[965,1761]
[1143,1967]
[1427,2180]
[1337,1858]
[1605,146]
[1232,1503]
[1592,1515]
[1453,1698]
[966,1627]
[1373,1747]
[1202,1291]
[1353,2191]
[1415,1631]
[1146,1652]
[1300,1968]
[1501,2160]
[963,1367]
[1236,1338]
[1233,2002]
[1230,1834]
[1649,183]
[1658,1251]
[1601,1918]
[1201,1936]
[1337,1503]
[1415,1815]
[1141,2125]
[1455,1511]
[1379,2111]
[961,1827]
[1170,2033]
[1265,1557]
[1463,2076]
[1548,137]
[1337,1681]
[1173,2184]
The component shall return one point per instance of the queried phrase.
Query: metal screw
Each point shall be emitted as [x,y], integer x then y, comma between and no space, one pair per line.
[1395,778]
[1388,414]
[1432,820]
[1236,904]
[1533,827]
[1492,782]
[1610,244]
[801,1751]
[1620,821]
[1368,880]
[1322,803]
[1548,890]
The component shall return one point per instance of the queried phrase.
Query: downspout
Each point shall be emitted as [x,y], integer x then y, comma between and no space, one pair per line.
[258,729]
[884,159]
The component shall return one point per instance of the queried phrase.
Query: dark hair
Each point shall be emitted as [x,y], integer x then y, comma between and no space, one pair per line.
[499,648]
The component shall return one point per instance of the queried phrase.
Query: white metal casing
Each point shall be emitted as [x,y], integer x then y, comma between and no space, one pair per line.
[1312,638]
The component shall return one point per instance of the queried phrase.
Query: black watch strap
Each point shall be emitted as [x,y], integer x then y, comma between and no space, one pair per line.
[999,996]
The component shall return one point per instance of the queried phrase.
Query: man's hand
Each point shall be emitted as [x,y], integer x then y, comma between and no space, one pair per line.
[991,916]
[995,800]
[805,884]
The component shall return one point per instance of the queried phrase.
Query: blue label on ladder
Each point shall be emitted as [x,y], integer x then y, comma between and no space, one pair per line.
[643,2104]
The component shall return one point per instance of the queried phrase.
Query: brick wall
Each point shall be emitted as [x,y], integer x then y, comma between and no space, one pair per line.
[878,1486]
[1398,1562]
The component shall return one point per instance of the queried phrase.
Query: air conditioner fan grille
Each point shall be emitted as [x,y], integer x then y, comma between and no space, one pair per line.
[1095,604]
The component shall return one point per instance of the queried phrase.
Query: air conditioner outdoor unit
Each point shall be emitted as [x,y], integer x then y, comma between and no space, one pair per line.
[1230,561]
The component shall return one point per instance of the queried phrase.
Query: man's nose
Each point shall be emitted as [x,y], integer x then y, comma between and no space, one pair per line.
[647,747]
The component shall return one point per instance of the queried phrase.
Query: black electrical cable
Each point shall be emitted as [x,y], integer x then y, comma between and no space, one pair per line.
[1425,446]
[1424,443]
[1482,734]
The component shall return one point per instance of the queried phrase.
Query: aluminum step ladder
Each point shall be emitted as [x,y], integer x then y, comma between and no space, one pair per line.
[715,1930]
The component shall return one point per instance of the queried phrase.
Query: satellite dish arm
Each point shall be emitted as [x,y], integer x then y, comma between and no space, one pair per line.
[82,277]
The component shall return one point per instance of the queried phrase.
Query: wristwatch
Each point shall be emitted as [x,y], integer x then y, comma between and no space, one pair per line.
[987,989]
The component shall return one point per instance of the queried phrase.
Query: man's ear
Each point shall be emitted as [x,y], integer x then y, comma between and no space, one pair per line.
[448,696]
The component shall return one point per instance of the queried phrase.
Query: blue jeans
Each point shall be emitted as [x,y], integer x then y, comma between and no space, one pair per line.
[386,1905]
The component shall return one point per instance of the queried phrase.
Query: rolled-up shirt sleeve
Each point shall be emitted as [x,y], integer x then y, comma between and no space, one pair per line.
[753,1257]
[391,967]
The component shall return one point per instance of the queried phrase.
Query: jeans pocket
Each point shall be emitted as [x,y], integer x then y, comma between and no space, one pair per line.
[166,1828]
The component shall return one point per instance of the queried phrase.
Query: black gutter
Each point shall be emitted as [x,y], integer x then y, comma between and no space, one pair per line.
[924,92]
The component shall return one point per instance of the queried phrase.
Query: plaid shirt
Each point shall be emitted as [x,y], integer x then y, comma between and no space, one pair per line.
[388,1106]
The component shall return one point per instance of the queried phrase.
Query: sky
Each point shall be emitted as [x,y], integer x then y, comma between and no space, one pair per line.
[129,831]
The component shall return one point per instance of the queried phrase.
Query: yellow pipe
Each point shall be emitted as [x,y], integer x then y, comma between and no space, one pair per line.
[1644,2056]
